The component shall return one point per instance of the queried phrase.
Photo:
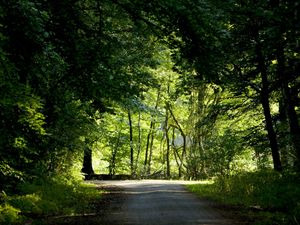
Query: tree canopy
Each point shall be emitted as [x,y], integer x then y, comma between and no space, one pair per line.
[170,89]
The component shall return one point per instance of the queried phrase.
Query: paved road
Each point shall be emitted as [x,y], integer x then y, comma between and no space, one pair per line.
[161,203]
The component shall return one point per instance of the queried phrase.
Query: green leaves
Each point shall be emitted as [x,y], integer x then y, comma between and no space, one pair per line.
[63,63]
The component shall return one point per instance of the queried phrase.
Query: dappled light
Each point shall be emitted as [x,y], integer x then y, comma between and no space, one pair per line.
[98,93]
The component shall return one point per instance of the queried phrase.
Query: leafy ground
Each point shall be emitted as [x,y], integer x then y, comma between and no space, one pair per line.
[266,197]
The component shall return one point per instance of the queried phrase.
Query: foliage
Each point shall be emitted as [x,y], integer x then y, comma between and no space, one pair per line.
[9,215]
[170,89]
[275,195]
[48,198]
[61,65]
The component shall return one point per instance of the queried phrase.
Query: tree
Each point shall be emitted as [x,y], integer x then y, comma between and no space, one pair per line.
[64,62]
[262,40]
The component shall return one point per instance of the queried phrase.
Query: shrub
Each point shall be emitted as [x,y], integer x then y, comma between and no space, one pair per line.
[278,195]
[46,198]
[56,197]
[9,215]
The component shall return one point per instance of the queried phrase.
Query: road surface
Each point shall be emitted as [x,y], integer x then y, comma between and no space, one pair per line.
[153,202]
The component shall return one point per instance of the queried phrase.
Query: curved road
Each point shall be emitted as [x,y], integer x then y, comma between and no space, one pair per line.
[153,202]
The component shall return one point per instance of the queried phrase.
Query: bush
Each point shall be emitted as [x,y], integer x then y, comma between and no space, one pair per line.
[48,198]
[271,192]
[56,197]
[28,203]
[9,215]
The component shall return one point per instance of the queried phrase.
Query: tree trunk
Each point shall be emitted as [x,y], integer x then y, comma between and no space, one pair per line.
[176,154]
[269,124]
[139,144]
[183,154]
[147,147]
[112,163]
[166,128]
[151,149]
[87,167]
[131,143]
[202,155]
[293,125]
[147,161]
[283,127]
[264,98]
[289,104]
[200,130]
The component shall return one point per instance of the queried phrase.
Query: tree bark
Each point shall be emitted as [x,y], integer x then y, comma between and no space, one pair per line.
[147,162]
[269,125]
[151,150]
[166,128]
[288,103]
[147,147]
[176,154]
[200,130]
[183,154]
[264,98]
[284,140]
[112,163]
[131,143]
[293,125]
[139,143]
[87,167]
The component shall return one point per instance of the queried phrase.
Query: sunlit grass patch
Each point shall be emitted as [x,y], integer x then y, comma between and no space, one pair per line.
[275,195]
[48,198]
[205,189]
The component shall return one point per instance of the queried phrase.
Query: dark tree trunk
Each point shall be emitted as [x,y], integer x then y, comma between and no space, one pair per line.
[166,128]
[289,104]
[271,132]
[176,153]
[264,98]
[200,137]
[183,154]
[151,149]
[293,125]
[87,167]
[112,163]
[147,161]
[283,127]
[147,147]
[139,144]
[131,143]
[168,173]
[115,149]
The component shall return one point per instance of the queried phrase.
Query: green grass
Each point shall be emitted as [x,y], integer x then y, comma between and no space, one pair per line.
[47,198]
[276,197]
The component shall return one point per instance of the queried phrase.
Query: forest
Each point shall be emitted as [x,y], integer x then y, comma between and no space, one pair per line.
[173,89]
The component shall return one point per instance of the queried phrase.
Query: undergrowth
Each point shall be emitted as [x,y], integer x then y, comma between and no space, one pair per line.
[44,198]
[272,197]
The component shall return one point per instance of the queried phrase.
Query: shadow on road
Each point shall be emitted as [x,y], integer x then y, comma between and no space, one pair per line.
[152,202]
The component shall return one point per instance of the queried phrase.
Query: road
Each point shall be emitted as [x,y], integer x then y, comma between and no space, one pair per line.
[153,202]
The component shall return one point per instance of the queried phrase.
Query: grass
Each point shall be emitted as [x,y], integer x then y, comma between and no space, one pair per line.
[46,198]
[271,197]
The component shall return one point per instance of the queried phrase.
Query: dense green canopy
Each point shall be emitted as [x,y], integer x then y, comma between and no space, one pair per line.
[152,88]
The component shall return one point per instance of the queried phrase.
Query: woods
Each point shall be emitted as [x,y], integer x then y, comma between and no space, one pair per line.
[151,89]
